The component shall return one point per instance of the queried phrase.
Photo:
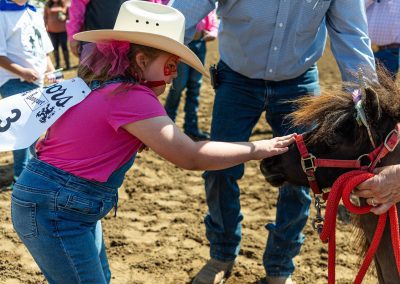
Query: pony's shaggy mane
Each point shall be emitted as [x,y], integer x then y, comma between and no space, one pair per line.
[328,111]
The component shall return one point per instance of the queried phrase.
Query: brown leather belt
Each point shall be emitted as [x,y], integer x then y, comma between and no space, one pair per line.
[389,46]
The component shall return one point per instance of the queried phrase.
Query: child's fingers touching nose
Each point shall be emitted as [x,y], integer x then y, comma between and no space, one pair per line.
[285,141]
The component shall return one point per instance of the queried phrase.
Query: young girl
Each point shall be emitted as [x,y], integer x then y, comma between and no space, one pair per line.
[64,192]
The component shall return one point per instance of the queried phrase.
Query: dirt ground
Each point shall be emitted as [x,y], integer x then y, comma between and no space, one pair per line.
[158,235]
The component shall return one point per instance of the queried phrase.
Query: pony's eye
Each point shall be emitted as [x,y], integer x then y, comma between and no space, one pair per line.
[332,142]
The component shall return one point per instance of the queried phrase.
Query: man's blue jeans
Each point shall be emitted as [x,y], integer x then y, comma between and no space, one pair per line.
[238,105]
[390,59]
[191,80]
[8,89]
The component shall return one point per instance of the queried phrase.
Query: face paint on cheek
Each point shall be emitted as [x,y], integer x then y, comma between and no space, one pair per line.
[170,68]
[171,65]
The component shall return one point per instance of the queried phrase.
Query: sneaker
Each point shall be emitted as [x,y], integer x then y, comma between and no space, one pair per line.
[198,135]
[214,272]
[279,280]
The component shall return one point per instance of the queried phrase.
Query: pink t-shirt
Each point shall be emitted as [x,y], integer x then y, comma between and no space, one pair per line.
[88,140]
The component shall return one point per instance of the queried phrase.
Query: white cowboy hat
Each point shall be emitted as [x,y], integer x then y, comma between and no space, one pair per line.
[149,24]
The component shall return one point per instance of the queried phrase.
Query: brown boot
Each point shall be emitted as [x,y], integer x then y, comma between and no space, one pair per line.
[214,272]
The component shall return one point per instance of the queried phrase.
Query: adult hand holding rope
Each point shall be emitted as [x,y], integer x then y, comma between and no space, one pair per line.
[382,190]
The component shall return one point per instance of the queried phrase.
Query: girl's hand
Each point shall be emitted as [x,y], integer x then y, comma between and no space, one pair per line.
[29,75]
[383,190]
[272,147]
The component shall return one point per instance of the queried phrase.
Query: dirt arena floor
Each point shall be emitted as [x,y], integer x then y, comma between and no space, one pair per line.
[158,235]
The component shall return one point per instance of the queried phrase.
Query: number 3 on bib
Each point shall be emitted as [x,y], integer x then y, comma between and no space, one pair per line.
[9,120]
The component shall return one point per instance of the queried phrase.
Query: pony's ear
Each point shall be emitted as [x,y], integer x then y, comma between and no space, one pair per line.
[371,105]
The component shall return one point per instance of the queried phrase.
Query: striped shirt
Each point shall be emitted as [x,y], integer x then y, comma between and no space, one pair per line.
[279,40]
[383,21]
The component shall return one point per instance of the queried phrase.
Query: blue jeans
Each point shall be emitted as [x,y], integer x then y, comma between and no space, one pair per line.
[56,215]
[191,80]
[8,89]
[247,98]
[390,59]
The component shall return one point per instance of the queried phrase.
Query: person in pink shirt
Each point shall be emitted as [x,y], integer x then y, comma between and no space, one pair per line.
[61,196]
[85,15]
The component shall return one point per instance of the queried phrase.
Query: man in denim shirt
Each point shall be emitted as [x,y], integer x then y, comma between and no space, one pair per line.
[269,51]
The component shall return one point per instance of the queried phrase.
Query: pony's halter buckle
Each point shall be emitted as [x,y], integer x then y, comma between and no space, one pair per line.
[361,158]
[386,143]
[307,163]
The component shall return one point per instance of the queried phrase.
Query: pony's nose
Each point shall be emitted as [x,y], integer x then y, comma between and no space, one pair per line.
[266,166]
[269,170]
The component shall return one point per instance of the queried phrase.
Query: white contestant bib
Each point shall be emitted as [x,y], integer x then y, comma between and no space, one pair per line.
[26,116]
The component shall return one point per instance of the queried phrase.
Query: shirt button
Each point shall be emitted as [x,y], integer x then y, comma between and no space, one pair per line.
[270,70]
[275,48]
[280,25]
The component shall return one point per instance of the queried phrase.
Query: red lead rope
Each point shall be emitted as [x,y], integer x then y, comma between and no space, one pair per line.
[342,188]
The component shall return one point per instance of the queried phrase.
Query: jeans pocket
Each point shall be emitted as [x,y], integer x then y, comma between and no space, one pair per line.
[23,215]
[83,205]
[80,205]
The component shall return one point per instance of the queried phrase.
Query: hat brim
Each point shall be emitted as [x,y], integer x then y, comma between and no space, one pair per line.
[153,40]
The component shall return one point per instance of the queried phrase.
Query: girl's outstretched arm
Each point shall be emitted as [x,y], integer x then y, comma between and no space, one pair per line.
[166,139]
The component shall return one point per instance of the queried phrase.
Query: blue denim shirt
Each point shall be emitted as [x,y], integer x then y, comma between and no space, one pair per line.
[281,39]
